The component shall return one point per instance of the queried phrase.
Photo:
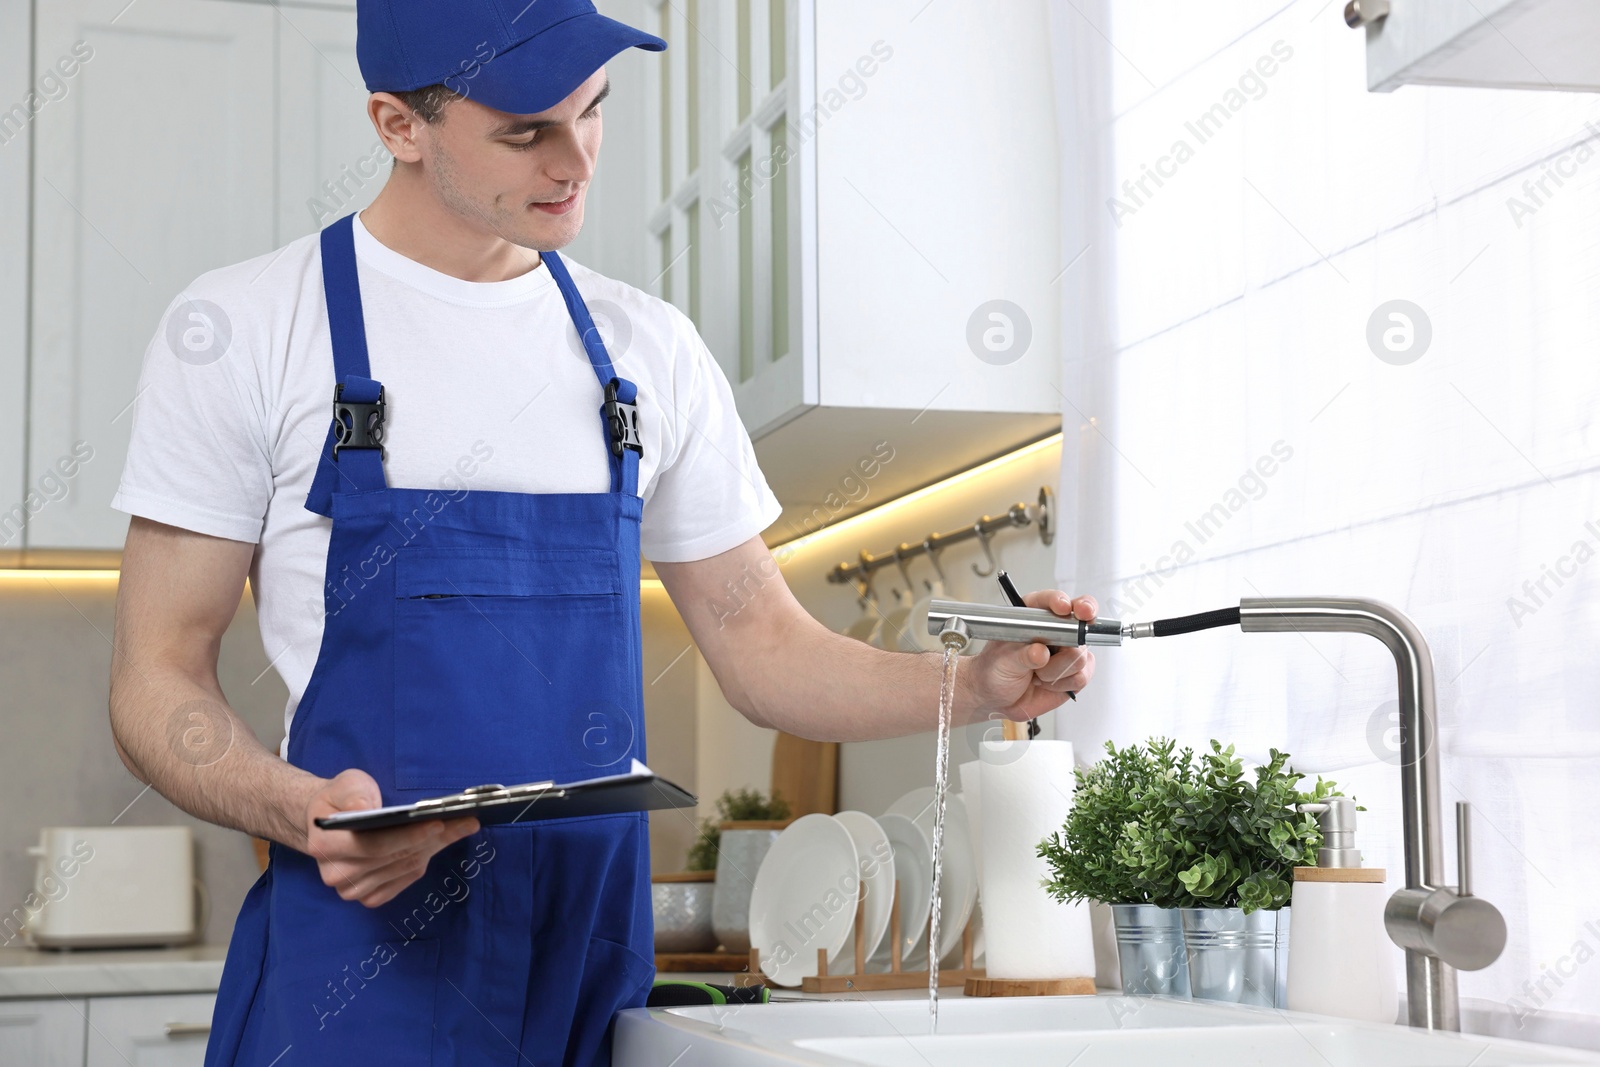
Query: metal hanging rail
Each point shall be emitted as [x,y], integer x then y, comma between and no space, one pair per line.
[983,529]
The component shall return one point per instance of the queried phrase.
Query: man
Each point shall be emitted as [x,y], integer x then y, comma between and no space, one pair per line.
[447,578]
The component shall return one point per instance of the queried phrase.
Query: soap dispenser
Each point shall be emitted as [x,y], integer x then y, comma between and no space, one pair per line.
[1341,961]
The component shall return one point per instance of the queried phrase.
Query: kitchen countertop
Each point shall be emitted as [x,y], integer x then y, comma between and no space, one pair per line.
[32,973]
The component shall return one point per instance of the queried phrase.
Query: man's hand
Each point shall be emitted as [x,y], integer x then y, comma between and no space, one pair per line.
[373,866]
[1023,682]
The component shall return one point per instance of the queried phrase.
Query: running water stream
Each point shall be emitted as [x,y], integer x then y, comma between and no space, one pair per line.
[941,779]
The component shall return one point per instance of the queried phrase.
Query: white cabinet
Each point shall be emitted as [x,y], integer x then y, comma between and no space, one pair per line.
[156,165]
[330,160]
[132,1031]
[168,1031]
[43,1033]
[191,134]
[1507,44]
[867,238]
[16,139]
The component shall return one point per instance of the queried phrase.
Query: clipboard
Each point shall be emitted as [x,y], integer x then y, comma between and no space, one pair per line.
[639,789]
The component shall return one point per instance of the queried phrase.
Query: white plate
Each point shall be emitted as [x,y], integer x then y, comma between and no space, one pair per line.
[917,622]
[913,868]
[917,806]
[958,883]
[875,860]
[802,898]
[952,959]
[865,626]
[894,635]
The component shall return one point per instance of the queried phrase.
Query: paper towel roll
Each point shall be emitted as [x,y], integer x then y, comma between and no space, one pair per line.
[1026,790]
[972,799]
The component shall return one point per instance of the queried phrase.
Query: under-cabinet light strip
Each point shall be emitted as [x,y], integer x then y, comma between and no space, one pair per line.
[58,574]
[876,513]
[67,574]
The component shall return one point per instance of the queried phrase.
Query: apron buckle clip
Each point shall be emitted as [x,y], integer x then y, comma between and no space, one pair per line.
[355,424]
[623,421]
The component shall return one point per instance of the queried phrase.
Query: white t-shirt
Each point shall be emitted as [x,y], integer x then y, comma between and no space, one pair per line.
[486,386]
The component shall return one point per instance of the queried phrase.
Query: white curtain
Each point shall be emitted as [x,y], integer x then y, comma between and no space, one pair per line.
[1247,207]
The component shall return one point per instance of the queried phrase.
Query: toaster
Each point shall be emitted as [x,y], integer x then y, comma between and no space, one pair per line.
[112,886]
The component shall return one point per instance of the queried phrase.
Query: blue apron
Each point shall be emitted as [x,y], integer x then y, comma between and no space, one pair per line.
[470,637]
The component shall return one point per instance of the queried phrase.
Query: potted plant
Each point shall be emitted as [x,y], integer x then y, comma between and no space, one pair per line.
[734,844]
[1118,847]
[1179,842]
[1244,835]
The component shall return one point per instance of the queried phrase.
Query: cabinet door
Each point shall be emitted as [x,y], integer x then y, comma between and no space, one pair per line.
[16,139]
[727,185]
[154,165]
[149,1031]
[756,225]
[42,1033]
[330,160]
[937,207]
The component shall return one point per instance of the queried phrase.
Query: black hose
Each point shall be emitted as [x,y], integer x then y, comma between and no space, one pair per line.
[1188,624]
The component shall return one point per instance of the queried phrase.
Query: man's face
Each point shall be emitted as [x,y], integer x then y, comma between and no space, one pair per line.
[523,177]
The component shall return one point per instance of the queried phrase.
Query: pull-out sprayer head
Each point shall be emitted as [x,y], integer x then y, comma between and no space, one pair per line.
[957,622]
[954,634]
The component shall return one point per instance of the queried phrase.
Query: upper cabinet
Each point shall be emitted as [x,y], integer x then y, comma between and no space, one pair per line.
[330,160]
[858,206]
[155,164]
[16,140]
[177,136]
[1504,44]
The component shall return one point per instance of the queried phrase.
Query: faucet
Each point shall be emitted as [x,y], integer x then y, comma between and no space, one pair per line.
[1442,928]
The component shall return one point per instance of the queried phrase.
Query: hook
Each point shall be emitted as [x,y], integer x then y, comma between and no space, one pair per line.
[867,591]
[983,539]
[905,567]
[932,548]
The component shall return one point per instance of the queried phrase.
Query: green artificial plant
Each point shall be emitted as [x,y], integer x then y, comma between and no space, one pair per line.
[1159,825]
[745,805]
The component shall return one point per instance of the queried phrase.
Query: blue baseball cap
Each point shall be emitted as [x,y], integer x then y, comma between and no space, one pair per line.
[520,56]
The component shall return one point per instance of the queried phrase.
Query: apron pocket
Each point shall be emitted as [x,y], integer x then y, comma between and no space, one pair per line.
[614,977]
[512,667]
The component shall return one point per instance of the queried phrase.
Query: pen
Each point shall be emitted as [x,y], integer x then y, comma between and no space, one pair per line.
[1016,600]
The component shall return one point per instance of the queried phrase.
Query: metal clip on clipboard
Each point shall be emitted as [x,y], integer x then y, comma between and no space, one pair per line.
[640,789]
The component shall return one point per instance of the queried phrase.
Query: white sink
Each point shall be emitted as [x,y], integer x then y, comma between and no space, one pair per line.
[1100,1031]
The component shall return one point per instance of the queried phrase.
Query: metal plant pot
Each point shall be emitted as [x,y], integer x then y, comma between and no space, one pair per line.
[682,910]
[739,856]
[1150,947]
[1238,958]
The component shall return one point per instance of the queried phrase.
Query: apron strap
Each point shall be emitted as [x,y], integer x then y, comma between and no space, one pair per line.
[352,456]
[619,414]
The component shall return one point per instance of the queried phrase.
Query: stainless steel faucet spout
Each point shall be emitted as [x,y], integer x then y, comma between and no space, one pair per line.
[954,634]
[1440,927]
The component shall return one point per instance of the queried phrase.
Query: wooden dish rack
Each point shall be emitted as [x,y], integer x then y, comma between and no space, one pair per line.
[895,977]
